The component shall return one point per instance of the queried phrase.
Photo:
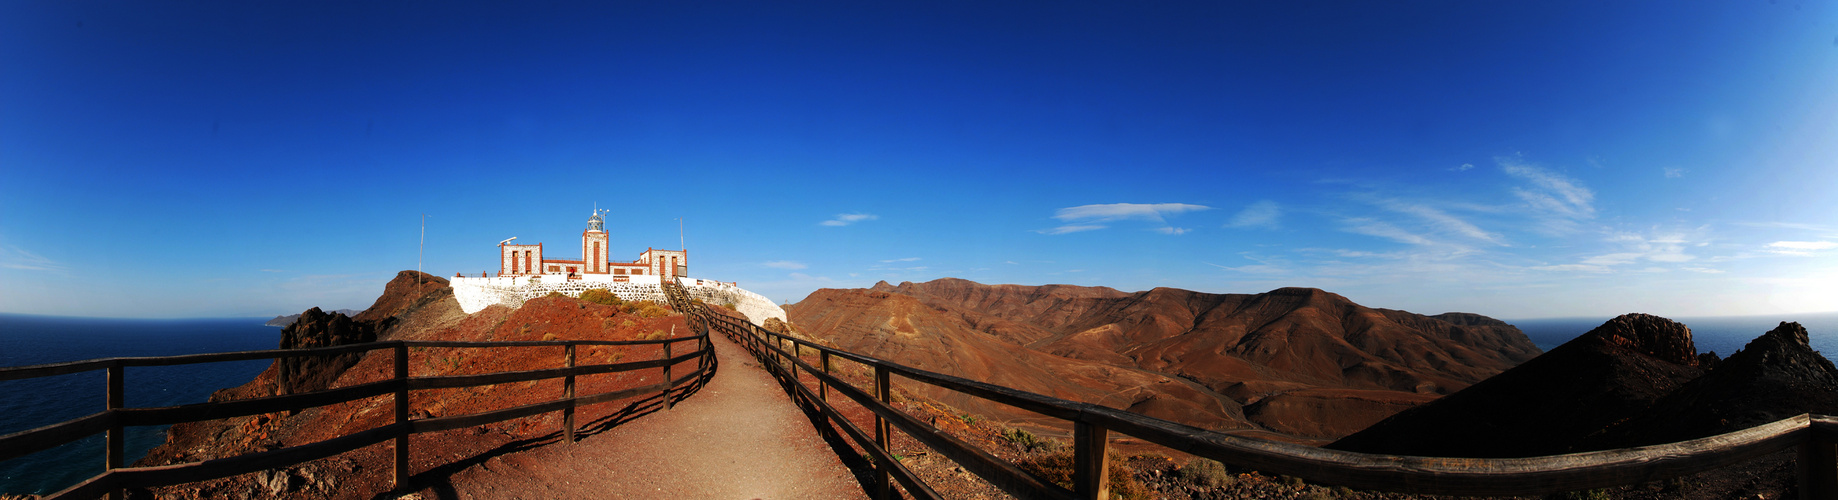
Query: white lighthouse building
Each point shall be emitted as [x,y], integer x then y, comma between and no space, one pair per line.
[524,272]
[527,260]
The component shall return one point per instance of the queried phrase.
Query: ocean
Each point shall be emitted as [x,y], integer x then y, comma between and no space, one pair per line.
[32,403]
[1724,335]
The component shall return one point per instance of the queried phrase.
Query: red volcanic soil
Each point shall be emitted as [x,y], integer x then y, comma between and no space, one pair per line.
[417,307]
[1300,362]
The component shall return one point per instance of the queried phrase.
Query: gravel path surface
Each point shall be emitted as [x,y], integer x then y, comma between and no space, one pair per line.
[740,437]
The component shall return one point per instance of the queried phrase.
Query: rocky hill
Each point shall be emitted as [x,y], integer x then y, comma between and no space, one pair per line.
[1548,404]
[1297,362]
[1636,380]
[413,306]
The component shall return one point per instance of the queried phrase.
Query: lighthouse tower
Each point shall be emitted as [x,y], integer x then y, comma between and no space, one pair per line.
[593,244]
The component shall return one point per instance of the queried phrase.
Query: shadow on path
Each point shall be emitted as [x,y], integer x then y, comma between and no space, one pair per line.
[439,479]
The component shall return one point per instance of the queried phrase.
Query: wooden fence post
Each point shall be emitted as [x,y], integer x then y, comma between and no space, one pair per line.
[1818,468]
[1090,472]
[568,392]
[883,489]
[401,377]
[116,434]
[667,403]
[823,387]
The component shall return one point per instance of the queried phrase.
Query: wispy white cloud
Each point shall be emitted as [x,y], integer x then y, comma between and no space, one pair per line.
[1260,268]
[1440,220]
[847,219]
[1799,248]
[1172,230]
[1674,172]
[1550,193]
[908,259]
[1072,229]
[1572,268]
[1263,214]
[785,264]
[1463,167]
[13,257]
[274,270]
[1631,248]
[1382,229]
[1093,217]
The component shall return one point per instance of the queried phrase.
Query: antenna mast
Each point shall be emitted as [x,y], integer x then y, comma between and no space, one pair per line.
[679,235]
[421,249]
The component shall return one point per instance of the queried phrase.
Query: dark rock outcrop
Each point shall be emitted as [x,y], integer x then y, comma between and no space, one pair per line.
[1777,375]
[1549,404]
[313,329]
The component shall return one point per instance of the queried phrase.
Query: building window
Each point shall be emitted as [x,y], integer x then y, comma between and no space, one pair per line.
[619,271]
[554,268]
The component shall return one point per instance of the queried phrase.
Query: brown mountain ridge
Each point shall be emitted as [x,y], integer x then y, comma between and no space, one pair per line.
[1297,362]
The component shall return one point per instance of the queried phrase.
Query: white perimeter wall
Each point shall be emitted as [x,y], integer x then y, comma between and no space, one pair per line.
[475,294]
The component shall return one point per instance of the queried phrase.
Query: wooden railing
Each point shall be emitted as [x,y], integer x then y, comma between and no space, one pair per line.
[1812,435]
[115,417]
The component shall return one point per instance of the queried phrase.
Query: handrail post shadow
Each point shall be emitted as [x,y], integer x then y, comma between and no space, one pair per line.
[568,392]
[116,434]
[667,404]
[401,378]
[883,489]
[1818,467]
[1090,470]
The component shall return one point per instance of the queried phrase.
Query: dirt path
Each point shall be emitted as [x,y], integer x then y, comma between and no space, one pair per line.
[740,437]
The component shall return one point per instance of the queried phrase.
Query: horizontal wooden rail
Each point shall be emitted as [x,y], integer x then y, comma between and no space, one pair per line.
[995,470]
[111,421]
[1813,434]
[68,367]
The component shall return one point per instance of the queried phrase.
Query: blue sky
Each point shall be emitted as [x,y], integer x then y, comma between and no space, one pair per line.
[1515,159]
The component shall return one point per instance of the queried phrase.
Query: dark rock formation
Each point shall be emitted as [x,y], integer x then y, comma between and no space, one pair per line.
[313,329]
[1661,338]
[1777,375]
[1549,404]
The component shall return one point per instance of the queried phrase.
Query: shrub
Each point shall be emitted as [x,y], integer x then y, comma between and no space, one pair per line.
[1290,481]
[1205,473]
[730,306]
[601,296]
[1028,441]
[1057,468]
[555,294]
[549,336]
[1595,494]
[650,310]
